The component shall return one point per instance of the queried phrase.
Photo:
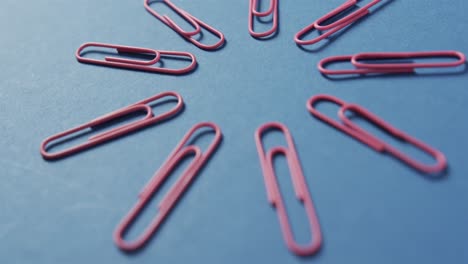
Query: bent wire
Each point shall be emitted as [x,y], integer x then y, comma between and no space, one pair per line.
[170,199]
[254,12]
[408,67]
[353,130]
[335,26]
[300,187]
[142,65]
[148,120]
[195,22]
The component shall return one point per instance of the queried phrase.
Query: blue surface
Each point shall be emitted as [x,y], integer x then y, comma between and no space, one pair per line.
[372,208]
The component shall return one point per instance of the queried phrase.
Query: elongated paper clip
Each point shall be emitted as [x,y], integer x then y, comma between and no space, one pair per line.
[142,65]
[254,12]
[335,26]
[300,187]
[353,130]
[390,67]
[195,22]
[170,199]
[148,120]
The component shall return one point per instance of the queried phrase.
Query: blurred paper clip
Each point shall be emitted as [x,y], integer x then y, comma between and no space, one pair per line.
[391,66]
[195,22]
[337,25]
[347,126]
[300,187]
[170,199]
[142,65]
[253,12]
[148,120]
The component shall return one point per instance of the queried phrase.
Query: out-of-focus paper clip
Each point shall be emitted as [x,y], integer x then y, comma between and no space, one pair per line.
[148,120]
[390,67]
[254,12]
[350,128]
[300,187]
[336,25]
[170,199]
[142,65]
[195,22]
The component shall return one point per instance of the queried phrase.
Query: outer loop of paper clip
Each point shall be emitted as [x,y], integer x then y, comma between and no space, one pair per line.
[176,191]
[273,9]
[149,119]
[142,65]
[118,61]
[347,58]
[300,187]
[195,22]
[356,60]
[169,22]
[441,161]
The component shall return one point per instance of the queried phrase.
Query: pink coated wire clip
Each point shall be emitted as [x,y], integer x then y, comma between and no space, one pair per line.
[300,187]
[253,12]
[148,120]
[335,26]
[142,65]
[195,22]
[369,68]
[170,199]
[350,128]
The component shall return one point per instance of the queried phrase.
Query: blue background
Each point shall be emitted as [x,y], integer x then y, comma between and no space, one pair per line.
[372,208]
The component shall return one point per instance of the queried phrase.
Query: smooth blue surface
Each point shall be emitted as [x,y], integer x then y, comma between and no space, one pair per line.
[372,208]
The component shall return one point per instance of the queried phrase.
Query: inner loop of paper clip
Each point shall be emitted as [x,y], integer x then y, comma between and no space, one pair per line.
[380,146]
[254,12]
[119,48]
[376,60]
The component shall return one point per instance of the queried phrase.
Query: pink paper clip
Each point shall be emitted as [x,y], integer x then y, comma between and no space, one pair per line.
[300,187]
[254,12]
[148,120]
[350,128]
[335,26]
[171,198]
[368,68]
[142,65]
[195,22]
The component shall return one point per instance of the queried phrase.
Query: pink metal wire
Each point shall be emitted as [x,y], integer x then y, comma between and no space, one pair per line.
[142,65]
[348,127]
[368,68]
[254,12]
[170,199]
[148,120]
[335,26]
[300,187]
[195,22]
